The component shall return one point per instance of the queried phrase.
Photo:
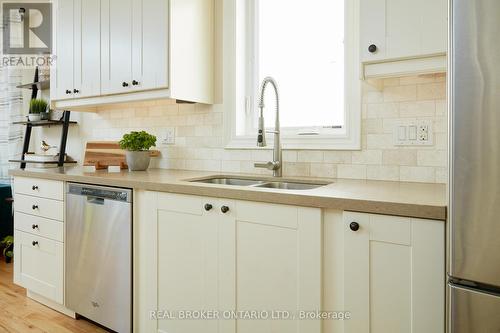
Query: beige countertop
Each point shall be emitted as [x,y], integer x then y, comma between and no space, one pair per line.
[381,197]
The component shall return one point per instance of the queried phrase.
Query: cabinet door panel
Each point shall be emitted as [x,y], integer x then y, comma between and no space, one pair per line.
[394,274]
[64,49]
[402,29]
[372,14]
[39,266]
[150,44]
[187,269]
[403,22]
[116,46]
[435,26]
[87,43]
[274,267]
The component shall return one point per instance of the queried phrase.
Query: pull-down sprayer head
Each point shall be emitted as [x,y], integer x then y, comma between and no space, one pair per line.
[261,135]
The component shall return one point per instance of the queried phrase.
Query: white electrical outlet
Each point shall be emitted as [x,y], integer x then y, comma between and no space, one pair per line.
[413,133]
[168,137]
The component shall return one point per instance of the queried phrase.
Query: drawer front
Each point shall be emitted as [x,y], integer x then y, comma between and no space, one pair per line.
[38,266]
[39,226]
[187,204]
[51,189]
[51,209]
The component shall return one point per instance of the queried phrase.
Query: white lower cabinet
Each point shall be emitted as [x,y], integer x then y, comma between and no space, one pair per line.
[39,265]
[234,258]
[394,277]
[39,239]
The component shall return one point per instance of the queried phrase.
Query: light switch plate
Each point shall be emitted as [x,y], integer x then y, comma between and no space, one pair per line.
[413,133]
[168,136]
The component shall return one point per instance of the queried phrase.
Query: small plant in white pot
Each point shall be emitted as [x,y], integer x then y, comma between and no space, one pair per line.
[137,146]
[37,108]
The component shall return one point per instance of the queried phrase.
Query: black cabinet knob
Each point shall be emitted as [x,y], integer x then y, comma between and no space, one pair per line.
[34,243]
[135,83]
[354,226]
[34,226]
[76,91]
[68,91]
[34,187]
[372,48]
[224,209]
[124,84]
[208,207]
[34,207]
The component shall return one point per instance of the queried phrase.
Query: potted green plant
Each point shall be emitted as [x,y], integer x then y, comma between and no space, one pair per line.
[8,244]
[137,146]
[37,108]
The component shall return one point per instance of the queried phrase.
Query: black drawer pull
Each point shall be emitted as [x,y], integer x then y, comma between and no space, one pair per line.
[354,226]
[34,226]
[34,187]
[34,243]
[208,207]
[224,209]
[34,207]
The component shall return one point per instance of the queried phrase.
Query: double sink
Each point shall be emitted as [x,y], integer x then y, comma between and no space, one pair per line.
[261,183]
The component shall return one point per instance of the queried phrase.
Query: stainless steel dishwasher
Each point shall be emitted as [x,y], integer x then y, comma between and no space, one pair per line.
[99,254]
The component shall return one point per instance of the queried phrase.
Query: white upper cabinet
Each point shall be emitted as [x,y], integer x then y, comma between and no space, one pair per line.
[77,70]
[403,36]
[116,44]
[111,51]
[62,88]
[150,40]
[87,49]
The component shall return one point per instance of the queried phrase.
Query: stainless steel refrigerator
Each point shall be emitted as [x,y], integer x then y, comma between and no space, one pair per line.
[474,228]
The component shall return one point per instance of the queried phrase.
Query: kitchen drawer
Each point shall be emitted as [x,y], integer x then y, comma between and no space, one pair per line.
[39,226]
[38,265]
[51,189]
[51,209]
[188,204]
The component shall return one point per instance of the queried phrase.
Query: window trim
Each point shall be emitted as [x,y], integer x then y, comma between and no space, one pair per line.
[348,139]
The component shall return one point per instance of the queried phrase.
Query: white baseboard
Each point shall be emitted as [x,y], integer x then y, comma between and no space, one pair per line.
[51,304]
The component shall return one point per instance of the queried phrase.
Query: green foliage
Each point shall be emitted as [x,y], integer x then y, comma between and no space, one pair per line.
[136,141]
[7,243]
[38,106]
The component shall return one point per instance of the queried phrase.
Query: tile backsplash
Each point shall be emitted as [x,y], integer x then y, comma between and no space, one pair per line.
[199,142]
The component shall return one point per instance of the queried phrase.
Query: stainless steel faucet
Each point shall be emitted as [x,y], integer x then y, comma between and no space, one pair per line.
[277,164]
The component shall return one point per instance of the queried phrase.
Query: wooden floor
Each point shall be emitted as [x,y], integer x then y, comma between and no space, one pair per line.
[19,314]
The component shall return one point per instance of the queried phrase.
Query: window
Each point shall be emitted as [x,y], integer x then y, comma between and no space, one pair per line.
[308,48]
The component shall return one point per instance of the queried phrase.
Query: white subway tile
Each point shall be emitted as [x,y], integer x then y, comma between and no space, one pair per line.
[436,158]
[309,156]
[296,169]
[399,157]
[431,91]
[323,170]
[417,174]
[400,93]
[351,171]
[367,157]
[417,109]
[338,157]
[382,172]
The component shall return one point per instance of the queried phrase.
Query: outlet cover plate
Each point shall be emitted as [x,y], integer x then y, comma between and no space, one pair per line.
[413,133]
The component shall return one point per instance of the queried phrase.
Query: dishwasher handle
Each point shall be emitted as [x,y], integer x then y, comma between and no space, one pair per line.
[95,200]
[100,192]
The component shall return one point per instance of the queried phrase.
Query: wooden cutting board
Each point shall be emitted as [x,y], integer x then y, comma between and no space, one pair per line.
[103,154]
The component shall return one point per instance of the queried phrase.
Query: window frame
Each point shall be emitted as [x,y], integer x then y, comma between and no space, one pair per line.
[243,76]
